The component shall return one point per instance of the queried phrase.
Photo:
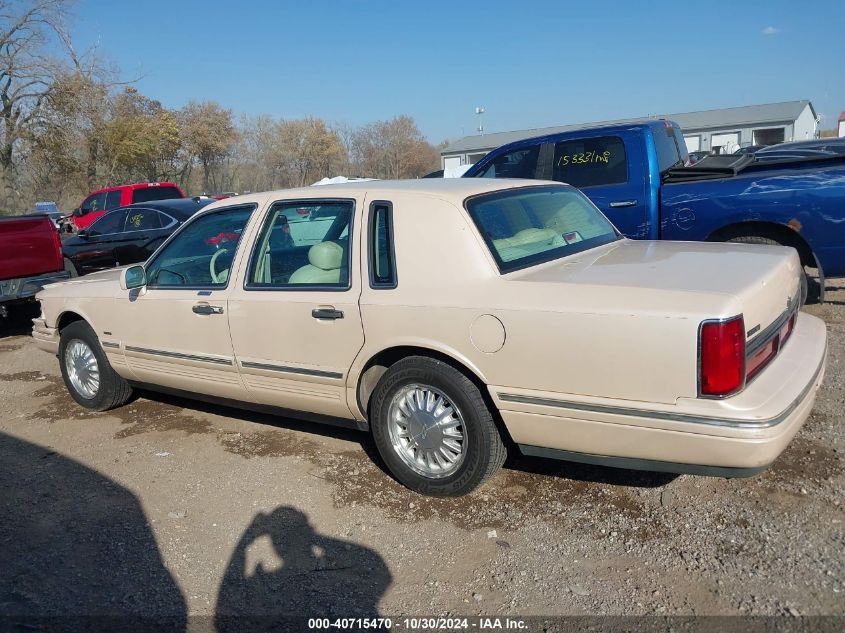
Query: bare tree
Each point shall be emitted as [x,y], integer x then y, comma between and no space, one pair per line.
[307,150]
[208,135]
[26,73]
[393,149]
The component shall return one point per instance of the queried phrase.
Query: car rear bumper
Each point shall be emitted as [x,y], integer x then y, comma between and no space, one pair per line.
[46,338]
[26,287]
[737,436]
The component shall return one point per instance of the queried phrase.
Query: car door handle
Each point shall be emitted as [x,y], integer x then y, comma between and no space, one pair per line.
[623,203]
[204,308]
[326,313]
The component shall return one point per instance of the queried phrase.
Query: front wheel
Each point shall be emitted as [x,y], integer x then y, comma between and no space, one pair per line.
[433,428]
[86,371]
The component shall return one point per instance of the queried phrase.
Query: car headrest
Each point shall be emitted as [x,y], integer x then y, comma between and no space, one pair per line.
[326,255]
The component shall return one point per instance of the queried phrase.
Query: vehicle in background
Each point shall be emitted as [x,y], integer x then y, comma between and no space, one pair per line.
[832,145]
[750,149]
[456,320]
[102,200]
[31,258]
[634,173]
[127,235]
[697,155]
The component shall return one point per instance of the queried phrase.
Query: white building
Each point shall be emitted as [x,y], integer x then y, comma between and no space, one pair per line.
[723,130]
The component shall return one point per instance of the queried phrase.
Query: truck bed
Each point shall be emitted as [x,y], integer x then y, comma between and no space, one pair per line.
[29,246]
[719,167]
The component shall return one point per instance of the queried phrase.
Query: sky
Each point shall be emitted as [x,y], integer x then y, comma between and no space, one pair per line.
[529,64]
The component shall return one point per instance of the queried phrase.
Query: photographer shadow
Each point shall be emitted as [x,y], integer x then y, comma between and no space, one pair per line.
[283,572]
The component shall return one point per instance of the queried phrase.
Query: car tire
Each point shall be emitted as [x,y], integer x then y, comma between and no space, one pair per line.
[767,241]
[87,373]
[71,268]
[433,388]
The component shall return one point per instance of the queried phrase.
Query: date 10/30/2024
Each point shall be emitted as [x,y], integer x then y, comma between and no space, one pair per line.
[584,158]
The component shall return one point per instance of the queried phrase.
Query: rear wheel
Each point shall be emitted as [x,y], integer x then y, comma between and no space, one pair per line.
[86,371]
[433,428]
[759,239]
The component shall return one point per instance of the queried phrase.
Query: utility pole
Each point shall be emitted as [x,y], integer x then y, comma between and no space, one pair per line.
[479,111]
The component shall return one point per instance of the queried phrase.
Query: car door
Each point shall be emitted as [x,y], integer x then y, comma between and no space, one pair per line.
[141,228]
[609,170]
[175,331]
[95,246]
[294,317]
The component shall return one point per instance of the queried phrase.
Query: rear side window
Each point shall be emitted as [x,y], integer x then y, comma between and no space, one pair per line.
[382,257]
[519,163]
[668,155]
[304,245]
[155,193]
[142,220]
[590,162]
[113,199]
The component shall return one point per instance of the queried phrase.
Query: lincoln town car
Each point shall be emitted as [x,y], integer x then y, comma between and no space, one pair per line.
[457,320]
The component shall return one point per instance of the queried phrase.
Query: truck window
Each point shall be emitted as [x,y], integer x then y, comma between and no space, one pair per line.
[113,199]
[148,194]
[668,154]
[519,163]
[95,202]
[590,162]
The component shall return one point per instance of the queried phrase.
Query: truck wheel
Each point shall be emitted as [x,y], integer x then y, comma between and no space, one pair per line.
[758,239]
[433,428]
[88,376]
[69,267]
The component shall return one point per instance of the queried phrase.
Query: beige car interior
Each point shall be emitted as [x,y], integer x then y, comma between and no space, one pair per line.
[528,239]
[325,261]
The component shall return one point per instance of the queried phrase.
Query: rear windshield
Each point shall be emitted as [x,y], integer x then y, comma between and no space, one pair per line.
[155,193]
[528,226]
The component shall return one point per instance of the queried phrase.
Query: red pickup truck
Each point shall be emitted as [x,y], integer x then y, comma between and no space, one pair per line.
[102,200]
[30,258]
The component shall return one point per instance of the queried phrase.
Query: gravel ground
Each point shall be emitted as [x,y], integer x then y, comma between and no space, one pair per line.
[172,507]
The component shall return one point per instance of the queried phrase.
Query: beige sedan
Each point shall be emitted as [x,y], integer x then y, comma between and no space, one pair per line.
[456,320]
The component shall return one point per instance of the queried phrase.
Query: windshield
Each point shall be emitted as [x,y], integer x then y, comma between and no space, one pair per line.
[528,226]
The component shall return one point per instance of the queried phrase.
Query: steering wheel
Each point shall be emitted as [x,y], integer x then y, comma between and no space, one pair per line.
[224,274]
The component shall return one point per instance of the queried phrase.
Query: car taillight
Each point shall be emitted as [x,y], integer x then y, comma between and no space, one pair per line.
[760,358]
[721,348]
[786,330]
[57,241]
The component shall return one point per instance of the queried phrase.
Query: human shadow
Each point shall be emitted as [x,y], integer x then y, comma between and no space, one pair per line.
[283,572]
[76,550]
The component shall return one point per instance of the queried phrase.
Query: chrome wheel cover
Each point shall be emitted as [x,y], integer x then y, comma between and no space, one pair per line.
[83,372]
[427,431]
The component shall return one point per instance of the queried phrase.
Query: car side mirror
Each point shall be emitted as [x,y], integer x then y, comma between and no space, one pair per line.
[133,277]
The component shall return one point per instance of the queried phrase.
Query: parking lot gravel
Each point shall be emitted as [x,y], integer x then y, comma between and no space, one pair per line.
[169,506]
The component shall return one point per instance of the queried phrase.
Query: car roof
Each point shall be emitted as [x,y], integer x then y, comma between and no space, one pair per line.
[136,185]
[180,208]
[454,190]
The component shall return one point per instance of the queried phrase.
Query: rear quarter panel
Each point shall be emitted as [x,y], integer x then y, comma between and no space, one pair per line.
[810,202]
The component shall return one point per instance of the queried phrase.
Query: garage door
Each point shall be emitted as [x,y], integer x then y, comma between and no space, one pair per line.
[693,143]
[724,143]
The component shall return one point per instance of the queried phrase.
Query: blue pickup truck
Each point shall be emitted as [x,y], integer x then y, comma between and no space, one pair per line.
[636,174]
